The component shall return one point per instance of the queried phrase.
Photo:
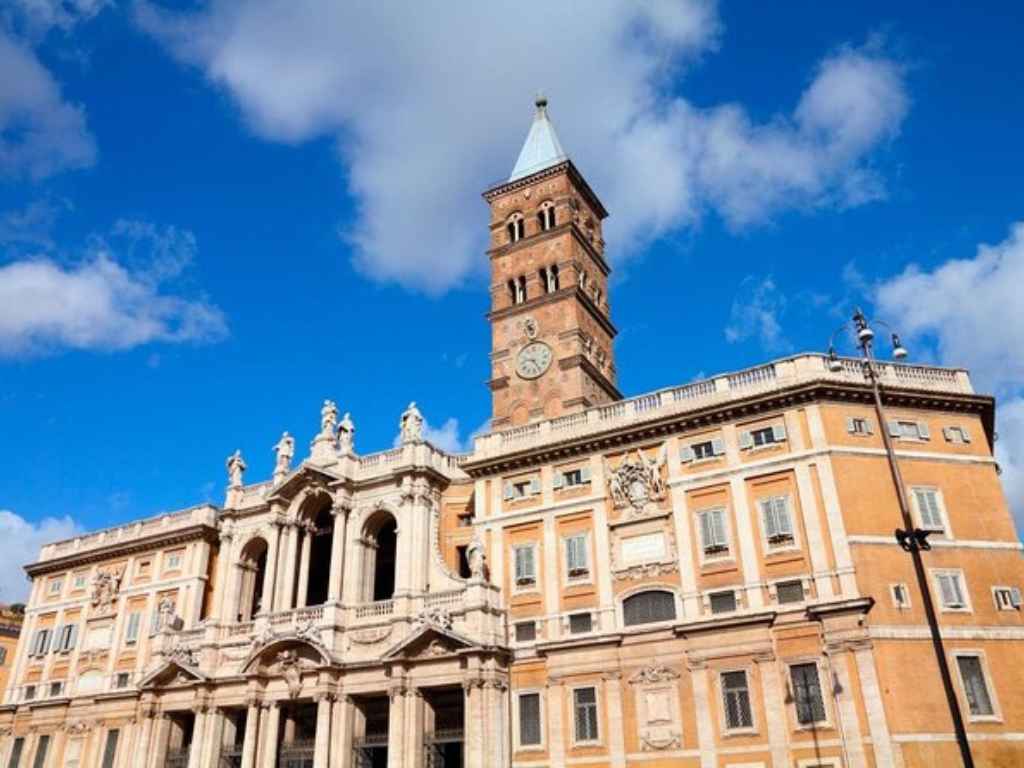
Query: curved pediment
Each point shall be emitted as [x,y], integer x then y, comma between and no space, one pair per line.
[284,651]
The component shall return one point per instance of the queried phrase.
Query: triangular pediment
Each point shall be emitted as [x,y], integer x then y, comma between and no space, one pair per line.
[430,640]
[173,673]
[302,478]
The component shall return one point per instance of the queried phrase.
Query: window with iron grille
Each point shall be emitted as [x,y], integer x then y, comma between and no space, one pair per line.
[57,688]
[16,750]
[790,591]
[810,706]
[648,607]
[576,556]
[110,750]
[978,699]
[585,708]
[41,749]
[526,632]
[736,700]
[778,524]
[580,623]
[713,538]
[529,719]
[722,602]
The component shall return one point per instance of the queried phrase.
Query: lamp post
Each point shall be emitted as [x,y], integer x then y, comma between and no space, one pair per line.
[912,539]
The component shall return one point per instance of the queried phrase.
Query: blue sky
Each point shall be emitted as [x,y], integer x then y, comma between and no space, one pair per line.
[214,216]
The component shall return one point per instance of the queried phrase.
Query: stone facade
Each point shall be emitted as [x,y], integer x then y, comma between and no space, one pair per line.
[702,576]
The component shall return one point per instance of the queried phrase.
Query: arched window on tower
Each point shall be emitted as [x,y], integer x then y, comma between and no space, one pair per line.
[553,278]
[516,227]
[546,216]
[521,289]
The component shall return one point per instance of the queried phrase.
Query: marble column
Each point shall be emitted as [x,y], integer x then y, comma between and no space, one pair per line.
[145,734]
[322,749]
[269,746]
[396,726]
[161,741]
[223,575]
[340,512]
[270,577]
[414,721]
[287,568]
[252,721]
[307,546]
[214,738]
[341,732]
[195,750]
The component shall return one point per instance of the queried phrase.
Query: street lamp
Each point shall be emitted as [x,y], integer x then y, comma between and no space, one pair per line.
[913,540]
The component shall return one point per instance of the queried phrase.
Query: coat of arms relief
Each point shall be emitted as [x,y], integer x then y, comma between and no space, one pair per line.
[636,485]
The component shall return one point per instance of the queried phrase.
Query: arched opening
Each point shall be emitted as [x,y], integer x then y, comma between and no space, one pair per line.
[253,565]
[515,227]
[381,543]
[322,535]
[648,607]
[546,216]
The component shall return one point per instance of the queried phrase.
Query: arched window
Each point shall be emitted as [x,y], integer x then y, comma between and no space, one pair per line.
[322,534]
[515,227]
[521,289]
[253,565]
[381,541]
[546,216]
[648,607]
[553,278]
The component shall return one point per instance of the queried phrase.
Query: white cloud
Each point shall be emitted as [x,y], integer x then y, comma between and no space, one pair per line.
[970,311]
[40,133]
[31,225]
[446,437]
[36,17]
[20,542]
[756,313]
[106,300]
[429,104]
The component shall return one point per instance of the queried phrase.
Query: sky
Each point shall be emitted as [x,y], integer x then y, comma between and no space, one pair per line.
[214,215]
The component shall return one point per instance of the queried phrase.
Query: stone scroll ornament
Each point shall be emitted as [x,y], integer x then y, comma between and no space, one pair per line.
[636,484]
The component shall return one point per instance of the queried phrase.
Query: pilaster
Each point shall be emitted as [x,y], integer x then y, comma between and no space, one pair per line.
[396,726]
[252,720]
[340,511]
[616,727]
[321,752]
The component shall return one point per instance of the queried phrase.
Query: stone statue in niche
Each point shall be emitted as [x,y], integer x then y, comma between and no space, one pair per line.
[285,450]
[637,482]
[290,667]
[105,586]
[236,468]
[477,557]
[411,425]
[346,435]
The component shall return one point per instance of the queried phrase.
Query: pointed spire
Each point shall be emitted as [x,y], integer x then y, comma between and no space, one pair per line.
[542,148]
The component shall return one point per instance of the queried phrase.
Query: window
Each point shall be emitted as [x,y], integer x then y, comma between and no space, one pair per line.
[1007,598]
[30,692]
[951,592]
[110,750]
[778,525]
[763,436]
[956,435]
[929,509]
[576,556]
[55,586]
[909,430]
[900,596]
[572,478]
[41,749]
[546,215]
[142,568]
[549,278]
[722,602]
[16,750]
[3,656]
[580,623]
[521,489]
[526,632]
[810,706]
[515,228]
[526,569]
[707,449]
[80,582]
[648,607]
[736,700]
[462,554]
[857,425]
[529,720]
[121,680]
[979,701]
[66,638]
[790,591]
[585,714]
[131,631]
[57,688]
[173,561]
[41,642]
[714,539]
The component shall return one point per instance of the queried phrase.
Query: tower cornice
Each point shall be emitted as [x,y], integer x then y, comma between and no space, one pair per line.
[567,167]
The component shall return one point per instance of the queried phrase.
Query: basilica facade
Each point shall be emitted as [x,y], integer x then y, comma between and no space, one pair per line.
[702,576]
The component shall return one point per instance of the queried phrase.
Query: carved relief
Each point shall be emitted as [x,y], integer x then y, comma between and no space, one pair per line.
[370,636]
[636,484]
[663,557]
[657,706]
[289,665]
[105,586]
[436,616]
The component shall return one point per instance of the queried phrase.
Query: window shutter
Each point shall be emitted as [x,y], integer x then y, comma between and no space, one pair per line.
[965,434]
[559,478]
[718,527]
[894,429]
[948,434]
[718,446]
[778,433]
[534,486]
[867,426]
[768,513]
[509,492]
[783,519]
[947,587]
[707,536]
[849,425]
[686,454]
[585,473]
[922,430]
[1015,597]
[746,440]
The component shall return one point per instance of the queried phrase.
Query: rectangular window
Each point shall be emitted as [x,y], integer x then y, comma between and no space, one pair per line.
[790,591]
[41,642]
[41,749]
[572,478]
[16,750]
[121,681]
[929,510]
[580,623]
[3,656]
[56,585]
[723,602]
[956,435]
[526,632]
[30,692]
[173,561]
[110,750]
[67,638]
[529,719]
[736,700]
[756,438]
[522,489]
[778,524]
[900,596]
[951,591]
[857,425]
[810,706]
[526,569]
[576,556]
[909,430]
[1007,598]
[80,582]
[706,449]
[713,537]
[131,631]
[585,717]
[56,689]
[975,689]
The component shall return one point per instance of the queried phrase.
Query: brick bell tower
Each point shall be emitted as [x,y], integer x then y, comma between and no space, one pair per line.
[551,331]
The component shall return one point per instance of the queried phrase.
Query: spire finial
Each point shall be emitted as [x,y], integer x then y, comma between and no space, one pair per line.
[540,101]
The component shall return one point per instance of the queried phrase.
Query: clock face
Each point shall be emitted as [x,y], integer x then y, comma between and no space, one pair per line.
[533,360]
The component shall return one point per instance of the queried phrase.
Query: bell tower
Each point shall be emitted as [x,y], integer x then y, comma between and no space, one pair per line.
[551,330]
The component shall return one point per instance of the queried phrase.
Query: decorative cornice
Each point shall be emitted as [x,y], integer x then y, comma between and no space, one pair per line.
[526,181]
